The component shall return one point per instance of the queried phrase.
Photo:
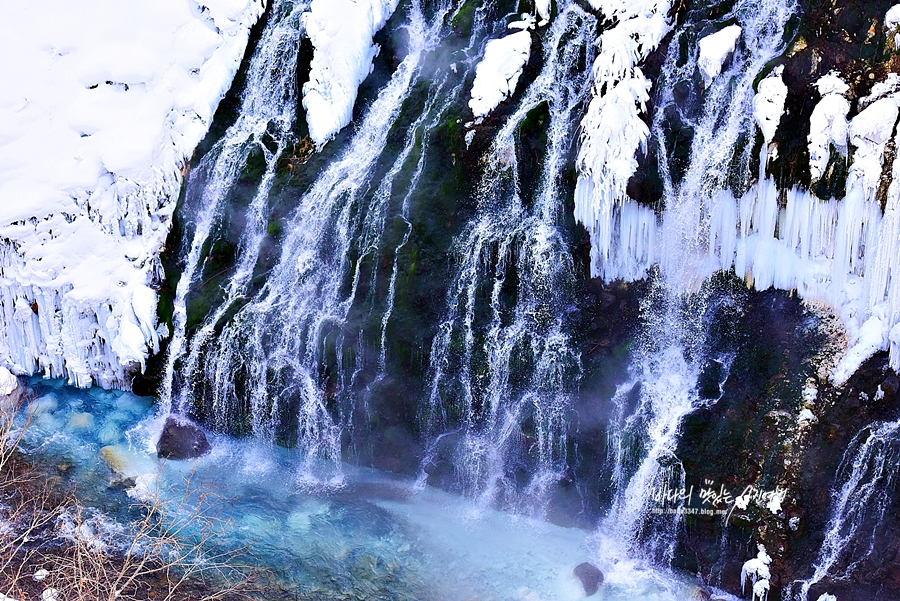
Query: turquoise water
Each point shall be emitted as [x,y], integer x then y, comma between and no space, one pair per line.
[372,536]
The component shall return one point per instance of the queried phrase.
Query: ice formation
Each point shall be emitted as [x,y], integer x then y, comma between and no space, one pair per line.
[840,252]
[497,75]
[613,130]
[715,49]
[109,101]
[341,33]
[756,571]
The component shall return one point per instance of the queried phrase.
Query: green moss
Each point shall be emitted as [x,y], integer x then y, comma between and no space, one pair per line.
[464,18]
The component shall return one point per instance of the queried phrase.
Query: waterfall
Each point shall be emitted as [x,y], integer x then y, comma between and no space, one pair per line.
[503,365]
[683,301]
[269,359]
[865,487]
[267,109]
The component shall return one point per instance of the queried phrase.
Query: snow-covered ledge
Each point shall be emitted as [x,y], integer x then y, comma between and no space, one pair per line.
[101,105]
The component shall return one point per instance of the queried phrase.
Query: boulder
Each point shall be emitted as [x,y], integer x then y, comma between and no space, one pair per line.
[181,439]
[590,576]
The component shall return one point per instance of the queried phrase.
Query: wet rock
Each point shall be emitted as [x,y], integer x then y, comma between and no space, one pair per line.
[700,594]
[181,439]
[891,385]
[116,458]
[590,576]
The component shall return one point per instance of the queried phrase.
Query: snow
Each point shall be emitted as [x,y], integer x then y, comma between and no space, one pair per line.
[892,17]
[826,597]
[612,132]
[99,113]
[810,393]
[768,107]
[774,504]
[341,33]
[828,124]
[891,23]
[869,341]
[715,49]
[756,571]
[8,382]
[543,11]
[497,75]
[842,253]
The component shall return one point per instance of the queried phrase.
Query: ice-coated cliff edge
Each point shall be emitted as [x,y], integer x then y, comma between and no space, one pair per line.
[99,113]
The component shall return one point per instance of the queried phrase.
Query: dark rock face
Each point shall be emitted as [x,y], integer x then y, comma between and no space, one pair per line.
[591,577]
[181,439]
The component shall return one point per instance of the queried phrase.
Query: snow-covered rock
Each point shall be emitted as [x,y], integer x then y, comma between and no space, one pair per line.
[8,382]
[341,33]
[612,130]
[828,124]
[892,23]
[768,107]
[497,75]
[99,111]
[756,570]
[543,11]
[715,49]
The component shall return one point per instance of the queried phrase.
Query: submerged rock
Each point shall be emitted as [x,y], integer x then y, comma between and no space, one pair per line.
[590,576]
[81,421]
[181,439]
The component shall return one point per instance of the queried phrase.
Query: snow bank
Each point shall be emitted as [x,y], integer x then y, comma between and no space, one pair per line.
[612,130]
[341,33]
[99,112]
[497,75]
[715,49]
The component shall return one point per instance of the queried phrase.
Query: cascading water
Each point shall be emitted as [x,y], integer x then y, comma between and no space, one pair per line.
[268,108]
[503,364]
[864,490]
[684,302]
[286,354]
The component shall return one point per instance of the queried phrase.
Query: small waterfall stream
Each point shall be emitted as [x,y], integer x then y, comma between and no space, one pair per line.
[267,110]
[684,301]
[503,363]
[865,488]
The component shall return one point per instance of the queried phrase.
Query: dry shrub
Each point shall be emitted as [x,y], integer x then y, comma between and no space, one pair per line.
[168,553]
